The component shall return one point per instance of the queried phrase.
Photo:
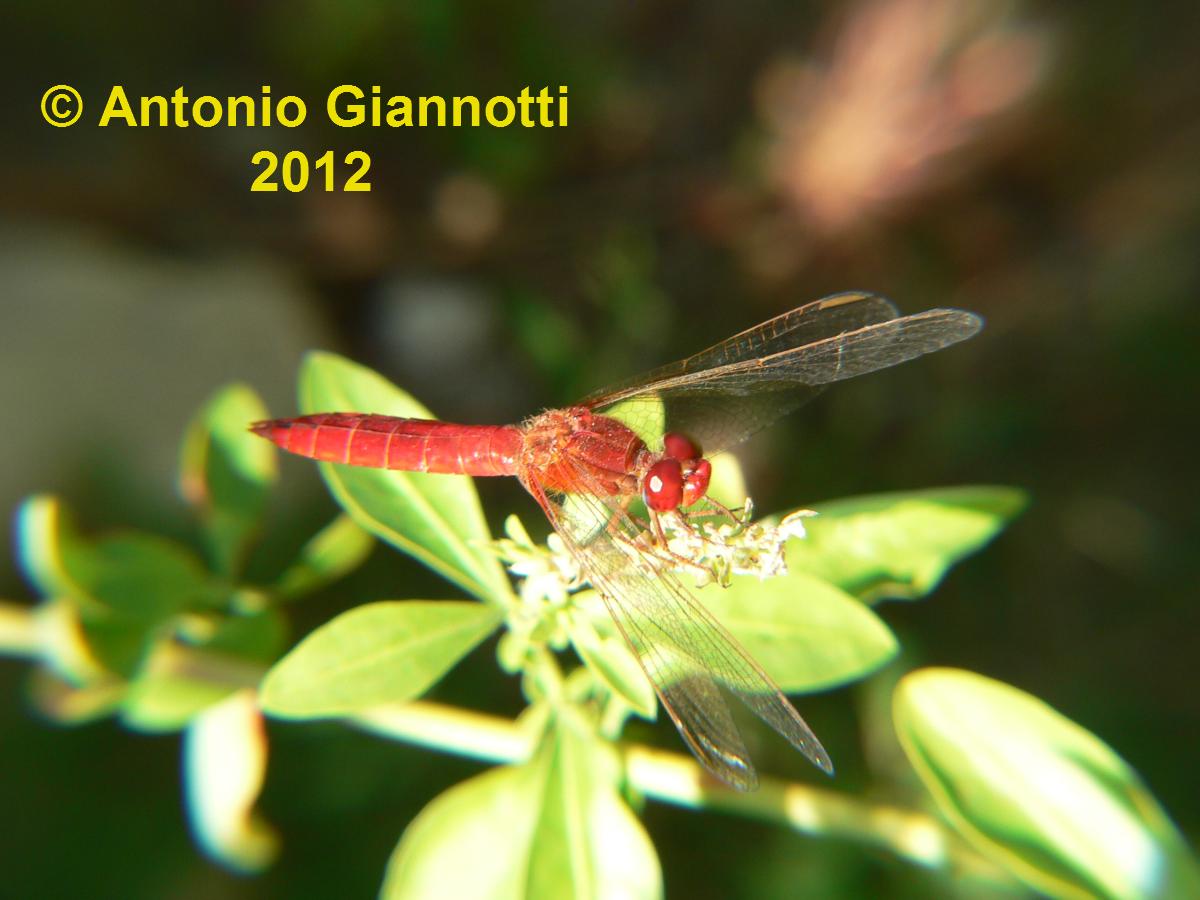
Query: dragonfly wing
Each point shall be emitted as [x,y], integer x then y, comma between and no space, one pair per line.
[728,392]
[681,647]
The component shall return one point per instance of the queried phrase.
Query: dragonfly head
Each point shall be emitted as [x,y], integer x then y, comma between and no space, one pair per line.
[680,478]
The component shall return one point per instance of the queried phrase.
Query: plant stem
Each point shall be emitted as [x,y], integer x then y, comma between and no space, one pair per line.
[678,780]
[667,777]
[18,631]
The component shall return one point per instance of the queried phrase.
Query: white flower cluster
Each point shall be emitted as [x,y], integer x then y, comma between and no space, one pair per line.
[548,573]
[717,552]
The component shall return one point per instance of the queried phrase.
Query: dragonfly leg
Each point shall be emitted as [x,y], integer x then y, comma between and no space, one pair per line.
[662,548]
[739,518]
[655,543]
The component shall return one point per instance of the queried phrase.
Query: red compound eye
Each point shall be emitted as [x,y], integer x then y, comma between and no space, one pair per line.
[678,447]
[662,488]
[695,482]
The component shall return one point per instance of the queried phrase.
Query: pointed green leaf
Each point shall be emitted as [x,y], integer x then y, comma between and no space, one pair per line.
[176,682]
[18,630]
[587,843]
[338,548]
[161,702]
[224,763]
[226,473]
[471,841]
[45,532]
[1038,793]
[387,652]
[141,577]
[900,545]
[806,633]
[435,518]
[88,648]
[553,827]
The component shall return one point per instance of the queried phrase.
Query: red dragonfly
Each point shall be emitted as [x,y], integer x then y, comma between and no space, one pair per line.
[584,468]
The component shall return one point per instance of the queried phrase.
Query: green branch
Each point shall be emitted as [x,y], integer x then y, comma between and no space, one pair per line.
[18,631]
[666,777]
[678,780]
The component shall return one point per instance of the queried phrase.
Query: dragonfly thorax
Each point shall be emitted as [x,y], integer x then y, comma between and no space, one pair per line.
[575,449]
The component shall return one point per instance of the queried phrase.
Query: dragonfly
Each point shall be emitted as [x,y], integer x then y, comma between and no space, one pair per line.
[586,468]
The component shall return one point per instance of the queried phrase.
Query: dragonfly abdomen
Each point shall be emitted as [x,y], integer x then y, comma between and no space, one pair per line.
[391,442]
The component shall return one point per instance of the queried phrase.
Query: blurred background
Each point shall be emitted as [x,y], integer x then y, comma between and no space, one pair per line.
[724,162]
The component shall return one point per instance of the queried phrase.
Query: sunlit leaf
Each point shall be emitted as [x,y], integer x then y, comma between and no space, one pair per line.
[806,633]
[435,518]
[175,682]
[587,842]
[166,701]
[44,532]
[900,545]
[387,652]
[553,827]
[64,645]
[88,646]
[18,630]
[338,548]
[226,472]
[1038,793]
[471,841]
[644,416]
[727,484]
[138,576]
[225,761]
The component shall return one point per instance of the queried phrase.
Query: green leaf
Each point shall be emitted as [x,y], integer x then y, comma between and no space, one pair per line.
[435,518]
[176,681]
[224,763]
[160,702]
[226,473]
[44,532]
[610,659]
[645,416]
[115,643]
[338,548]
[1038,793]
[81,657]
[387,652]
[901,545]
[727,484]
[255,636]
[553,827]
[806,633]
[137,576]
[142,576]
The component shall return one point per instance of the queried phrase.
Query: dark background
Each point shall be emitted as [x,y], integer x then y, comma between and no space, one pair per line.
[1037,163]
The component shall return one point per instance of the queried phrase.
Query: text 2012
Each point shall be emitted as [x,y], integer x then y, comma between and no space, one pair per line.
[326,172]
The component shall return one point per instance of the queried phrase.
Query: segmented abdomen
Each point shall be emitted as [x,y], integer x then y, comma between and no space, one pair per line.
[390,442]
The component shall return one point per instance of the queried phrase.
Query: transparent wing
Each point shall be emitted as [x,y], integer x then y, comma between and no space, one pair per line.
[724,394]
[683,650]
